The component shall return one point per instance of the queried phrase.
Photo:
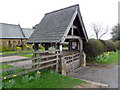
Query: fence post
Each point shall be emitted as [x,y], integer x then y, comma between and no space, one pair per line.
[63,66]
[72,63]
[34,61]
[35,55]
[57,61]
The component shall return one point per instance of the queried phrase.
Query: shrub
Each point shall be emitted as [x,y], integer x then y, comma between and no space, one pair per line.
[41,47]
[4,49]
[94,48]
[110,45]
[117,43]
[27,47]
[18,48]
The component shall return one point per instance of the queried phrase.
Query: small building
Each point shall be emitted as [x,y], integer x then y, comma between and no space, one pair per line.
[60,28]
[13,35]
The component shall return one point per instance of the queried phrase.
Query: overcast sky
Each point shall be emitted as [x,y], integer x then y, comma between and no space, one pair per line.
[30,12]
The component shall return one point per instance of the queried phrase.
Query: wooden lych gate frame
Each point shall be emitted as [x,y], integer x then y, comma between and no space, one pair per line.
[68,26]
[69,59]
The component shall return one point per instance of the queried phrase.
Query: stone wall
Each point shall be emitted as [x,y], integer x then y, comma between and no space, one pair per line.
[12,43]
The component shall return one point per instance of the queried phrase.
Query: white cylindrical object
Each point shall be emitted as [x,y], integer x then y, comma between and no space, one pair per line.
[60,47]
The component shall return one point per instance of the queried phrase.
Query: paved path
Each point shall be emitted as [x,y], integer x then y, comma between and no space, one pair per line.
[11,58]
[106,75]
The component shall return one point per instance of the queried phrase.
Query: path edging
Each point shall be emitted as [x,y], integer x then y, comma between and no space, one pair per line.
[96,83]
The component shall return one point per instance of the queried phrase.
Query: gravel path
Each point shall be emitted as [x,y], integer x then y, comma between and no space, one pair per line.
[107,75]
[11,58]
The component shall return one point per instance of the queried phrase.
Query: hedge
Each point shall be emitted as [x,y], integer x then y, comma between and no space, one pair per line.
[4,49]
[94,48]
[117,43]
[110,45]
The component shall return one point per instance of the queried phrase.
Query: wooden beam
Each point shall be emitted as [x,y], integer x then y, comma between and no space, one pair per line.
[74,27]
[72,31]
[69,26]
[82,24]
[27,71]
[46,46]
[72,37]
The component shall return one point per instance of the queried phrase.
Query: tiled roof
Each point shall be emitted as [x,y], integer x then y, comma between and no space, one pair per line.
[53,25]
[27,32]
[10,31]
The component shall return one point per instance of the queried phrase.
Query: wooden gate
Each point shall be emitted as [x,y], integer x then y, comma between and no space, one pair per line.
[70,63]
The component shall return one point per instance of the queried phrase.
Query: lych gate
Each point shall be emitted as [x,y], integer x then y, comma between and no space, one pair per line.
[64,29]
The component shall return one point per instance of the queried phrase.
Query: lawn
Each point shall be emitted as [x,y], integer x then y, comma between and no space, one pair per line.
[41,79]
[5,66]
[26,55]
[108,58]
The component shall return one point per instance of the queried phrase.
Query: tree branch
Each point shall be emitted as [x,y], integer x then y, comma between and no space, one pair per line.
[104,33]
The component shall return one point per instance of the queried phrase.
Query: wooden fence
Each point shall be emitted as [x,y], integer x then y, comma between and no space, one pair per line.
[40,60]
[70,63]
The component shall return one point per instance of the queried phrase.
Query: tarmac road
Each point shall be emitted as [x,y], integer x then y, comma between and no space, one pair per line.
[107,74]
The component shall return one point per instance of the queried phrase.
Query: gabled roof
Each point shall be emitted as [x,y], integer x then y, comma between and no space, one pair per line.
[11,31]
[54,25]
[27,32]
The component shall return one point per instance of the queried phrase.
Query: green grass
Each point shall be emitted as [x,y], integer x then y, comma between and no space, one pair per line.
[107,58]
[46,79]
[8,52]
[26,55]
[5,66]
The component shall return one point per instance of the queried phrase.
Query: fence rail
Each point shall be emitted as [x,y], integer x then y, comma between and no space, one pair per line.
[22,53]
[70,62]
[39,61]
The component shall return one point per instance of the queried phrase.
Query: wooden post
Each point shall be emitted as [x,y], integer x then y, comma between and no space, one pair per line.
[36,47]
[61,47]
[63,67]
[34,61]
[69,45]
[57,61]
[46,46]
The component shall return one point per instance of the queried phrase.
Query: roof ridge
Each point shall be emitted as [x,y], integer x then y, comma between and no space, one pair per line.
[62,9]
[22,31]
[9,24]
[27,28]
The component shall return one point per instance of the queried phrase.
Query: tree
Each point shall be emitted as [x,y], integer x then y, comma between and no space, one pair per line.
[99,31]
[116,32]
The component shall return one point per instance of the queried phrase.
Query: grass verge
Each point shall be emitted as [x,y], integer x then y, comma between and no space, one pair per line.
[107,58]
[26,55]
[41,79]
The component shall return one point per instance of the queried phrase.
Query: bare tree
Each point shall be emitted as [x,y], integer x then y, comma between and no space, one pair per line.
[99,31]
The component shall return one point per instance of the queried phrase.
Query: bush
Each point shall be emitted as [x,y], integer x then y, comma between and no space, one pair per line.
[18,48]
[117,43]
[110,46]
[27,47]
[4,49]
[94,48]
[41,47]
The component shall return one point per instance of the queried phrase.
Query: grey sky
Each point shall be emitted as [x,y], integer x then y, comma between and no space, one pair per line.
[30,12]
